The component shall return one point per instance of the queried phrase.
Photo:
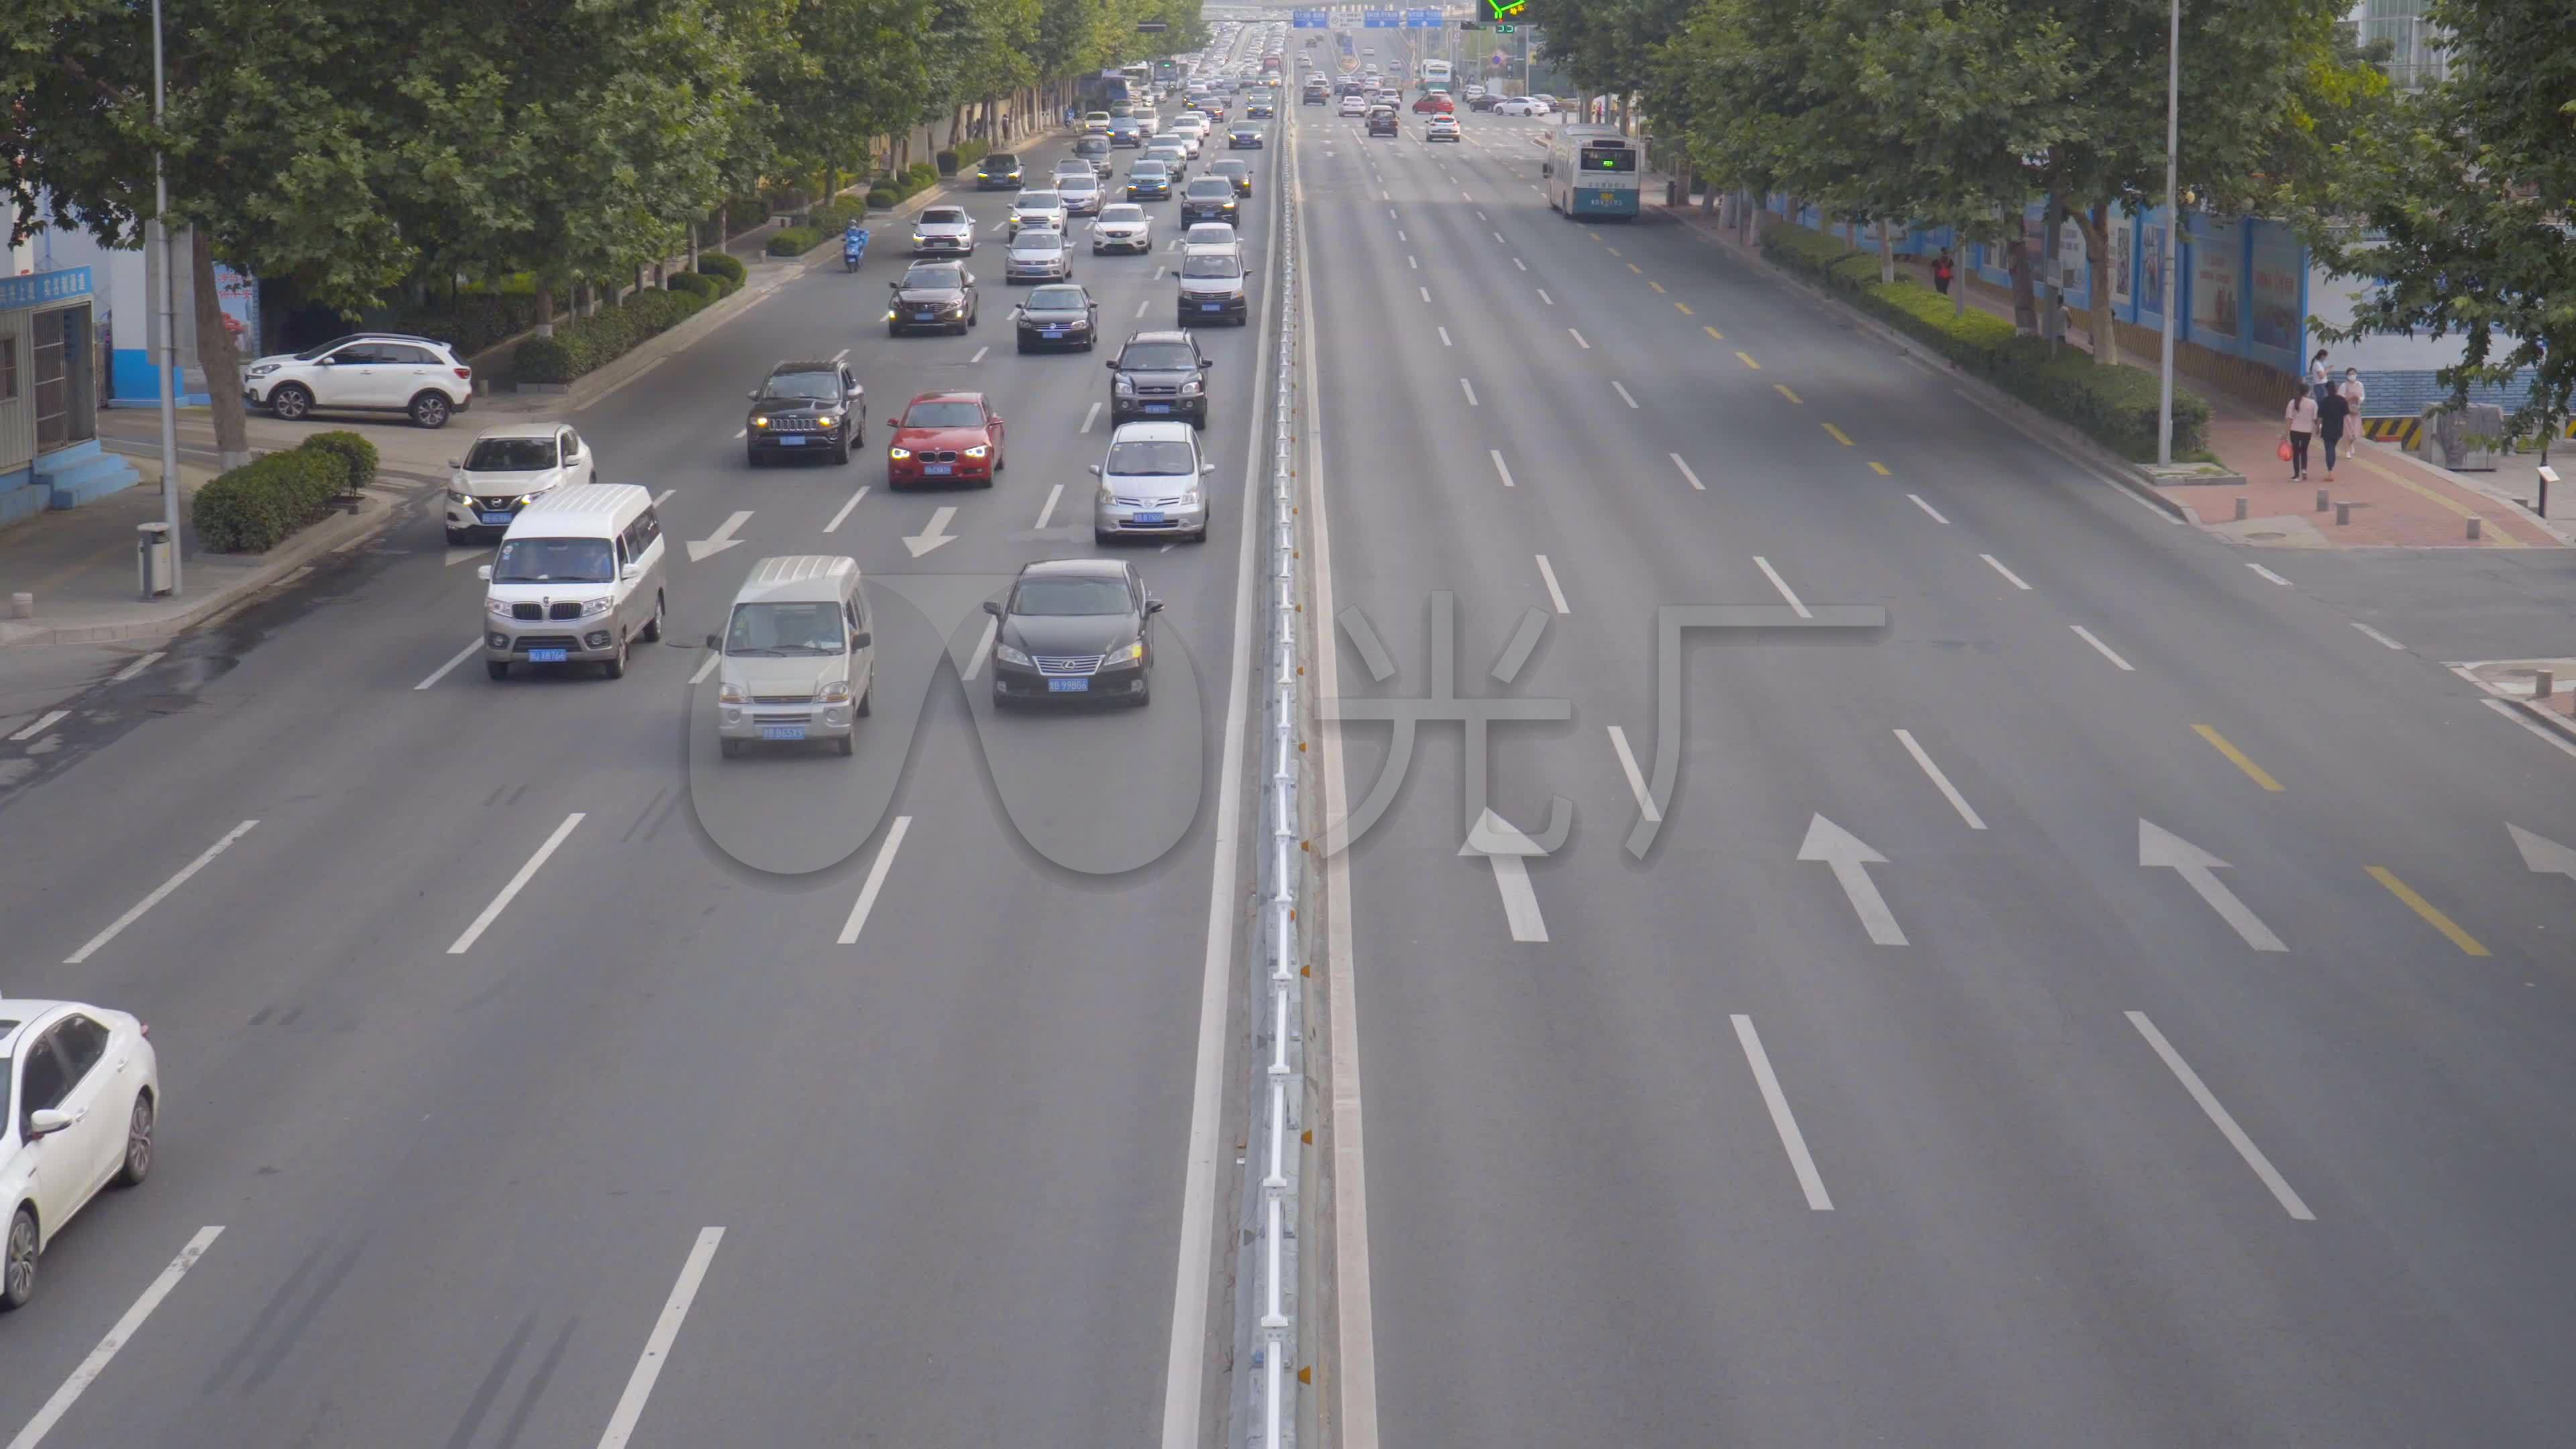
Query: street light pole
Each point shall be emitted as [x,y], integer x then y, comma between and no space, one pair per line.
[169,307]
[2173,233]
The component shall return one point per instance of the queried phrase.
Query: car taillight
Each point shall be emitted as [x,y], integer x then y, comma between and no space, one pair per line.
[465,374]
[147,1027]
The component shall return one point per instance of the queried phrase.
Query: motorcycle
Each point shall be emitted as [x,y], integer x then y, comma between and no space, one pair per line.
[854,248]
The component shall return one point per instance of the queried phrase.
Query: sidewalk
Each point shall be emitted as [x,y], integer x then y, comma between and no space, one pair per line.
[2398,501]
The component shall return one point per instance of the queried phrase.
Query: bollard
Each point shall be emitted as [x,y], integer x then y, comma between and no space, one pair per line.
[22,606]
[2343,514]
[2240,510]
[2540,504]
[2321,500]
[2543,684]
[2474,523]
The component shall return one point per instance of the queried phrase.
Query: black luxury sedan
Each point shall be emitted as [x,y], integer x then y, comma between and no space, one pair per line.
[805,407]
[1059,315]
[1074,628]
[932,296]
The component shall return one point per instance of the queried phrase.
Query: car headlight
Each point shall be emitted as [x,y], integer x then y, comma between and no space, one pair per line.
[1189,498]
[980,450]
[1125,383]
[730,692]
[1009,655]
[758,421]
[1126,653]
[836,692]
[889,316]
[263,369]
[898,454]
[497,608]
[1190,388]
[459,498]
[593,608]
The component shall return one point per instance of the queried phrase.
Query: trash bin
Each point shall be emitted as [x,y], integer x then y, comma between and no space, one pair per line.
[152,559]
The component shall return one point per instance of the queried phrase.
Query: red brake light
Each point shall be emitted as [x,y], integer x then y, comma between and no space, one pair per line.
[465,374]
[147,1027]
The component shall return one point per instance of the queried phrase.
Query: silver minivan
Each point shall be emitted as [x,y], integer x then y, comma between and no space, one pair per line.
[798,656]
[578,580]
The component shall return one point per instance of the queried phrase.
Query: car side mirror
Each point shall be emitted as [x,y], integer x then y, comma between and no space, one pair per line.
[1207,362]
[993,607]
[1094,470]
[1153,605]
[483,572]
[1111,364]
[752,396]
[863,640]
[1207,467]
[714,643]
[455,462]
[46,1121]
[630,572]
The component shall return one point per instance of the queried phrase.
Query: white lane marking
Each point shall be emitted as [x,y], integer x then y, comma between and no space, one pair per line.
[2547,735]
[714,658]
[1480,215]
[518,883]
[841,356]
[1444,338]
[618,387]
[1555,595]
[1928,508]
[875,882]
[1047,511]
[1687,475]
[1498,236]
[138,666]
[1426,294]
[2087,636]
[441,671]
[1801,1162]
[1997,565]
[1088,418]
[161,894]
[1141,306]
[1777,582]
[665,495]
[2375,634]
[1400,236]
[1413,261]
[1382,195]
[1158,271]
[979,355]
[44,722]
[2226,1124]
[2268,574]
[1578,339]
[117,1338]
[1497,455]
[1949,791]
[1622,389]
[657,1345]
[1390,213]
[983,650]
[1470,389]
[1636,777]
[846,507]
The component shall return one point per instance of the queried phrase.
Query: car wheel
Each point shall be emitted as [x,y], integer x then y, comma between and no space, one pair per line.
[867,703]
[497,668]
[750,456]
[1141,697]
[290,401]
[731,749]
[614,667]
[18,1261]
[653,626]
[431,410]
[1101,538]
[138,1143]
[1023,348]
[849,745]
[841,452]
[1001,702]
[893,331]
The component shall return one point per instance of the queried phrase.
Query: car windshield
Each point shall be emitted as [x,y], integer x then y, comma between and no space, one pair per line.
[555,561]
[943,216]
[1154,169]
[1038,239]
[950,414]
[1123,211]
[785,630]
[1210,234]
[1039,201]
[822,386]
[1158,357]
[1135,457]
[1000,161]
[935,277]
[1211,266]
[1068,597]
[1057,299]
[1209,188]
[510,455]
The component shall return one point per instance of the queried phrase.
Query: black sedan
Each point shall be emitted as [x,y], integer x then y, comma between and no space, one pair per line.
[1073,629]
[1058,316]
[1237,171]
[1210,198]
[1243,138]
[998,171]
[933,296]
[801,408]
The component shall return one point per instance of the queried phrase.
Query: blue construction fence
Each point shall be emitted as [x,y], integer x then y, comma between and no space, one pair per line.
[2244,281]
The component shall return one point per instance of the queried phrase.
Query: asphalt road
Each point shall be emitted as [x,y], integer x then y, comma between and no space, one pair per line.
[2017,1140]
[929,1071]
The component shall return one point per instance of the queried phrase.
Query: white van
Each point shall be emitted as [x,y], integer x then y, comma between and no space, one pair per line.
[578,579]
[799,655]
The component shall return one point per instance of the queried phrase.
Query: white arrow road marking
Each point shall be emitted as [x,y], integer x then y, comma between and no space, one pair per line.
[1507,850]
[933,536]
[1850,859]
[2161,848]
[2220,1117]
[117,1337]
[2544,855]
[720,540]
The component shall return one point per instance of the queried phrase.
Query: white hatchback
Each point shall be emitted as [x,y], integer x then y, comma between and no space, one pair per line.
[80,1090]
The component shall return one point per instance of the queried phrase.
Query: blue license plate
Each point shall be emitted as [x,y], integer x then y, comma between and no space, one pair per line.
[791,442]
[1068,686]
[1149,516]
[548,656]
[782,732]
[924,316]
[1052,333]
[938,470]
[498,520]
[1158,407]
[1211,306]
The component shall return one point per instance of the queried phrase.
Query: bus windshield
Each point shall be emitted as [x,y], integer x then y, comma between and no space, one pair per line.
[1609,158]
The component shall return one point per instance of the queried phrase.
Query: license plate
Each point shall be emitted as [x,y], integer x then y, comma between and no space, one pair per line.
[791,442]
[1211,306]
[1052,333]
[1068,686]
[923,316]
[1158,407]
[548,656]
[938,470]
[782,732]
[498,520]
[1149,516]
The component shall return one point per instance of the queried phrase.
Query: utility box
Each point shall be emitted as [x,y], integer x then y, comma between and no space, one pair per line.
[152,559]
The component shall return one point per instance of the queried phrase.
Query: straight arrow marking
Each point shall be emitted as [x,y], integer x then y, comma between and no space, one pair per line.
[720,540]
[1507,850]
[2159,847]
[1850,858]
[2543,855]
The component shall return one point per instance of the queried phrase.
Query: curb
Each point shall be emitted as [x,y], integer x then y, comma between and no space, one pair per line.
[2048,431]
[2551,718]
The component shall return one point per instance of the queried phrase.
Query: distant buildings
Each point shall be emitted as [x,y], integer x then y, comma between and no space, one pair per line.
[2417,57]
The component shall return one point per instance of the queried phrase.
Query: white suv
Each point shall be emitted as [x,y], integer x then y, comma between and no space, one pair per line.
[389,372]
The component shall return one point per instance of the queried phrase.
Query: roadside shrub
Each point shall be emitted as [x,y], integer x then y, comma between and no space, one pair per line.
[947,161]
[259,504]
[881,197]
[2115,406]
[830,220]
[353,449]
[724,268]
[475,321]
[793,241]
[923,176]
[583,344]
[696,282]
[970,152]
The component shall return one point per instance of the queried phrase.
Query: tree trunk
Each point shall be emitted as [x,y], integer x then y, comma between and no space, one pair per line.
[693,246]
[1959,272]
[545,309]
[217,357]
[2025,301]
[1886,252]
[2096,226]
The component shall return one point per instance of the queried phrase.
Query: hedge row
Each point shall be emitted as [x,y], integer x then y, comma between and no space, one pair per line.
[257,505]
[724,268]
[794,241]
[961,155]
[582,344]
[2115,406]
[474,322]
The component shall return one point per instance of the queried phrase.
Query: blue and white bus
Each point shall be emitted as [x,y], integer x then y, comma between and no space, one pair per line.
[1435,75]
[1594,172]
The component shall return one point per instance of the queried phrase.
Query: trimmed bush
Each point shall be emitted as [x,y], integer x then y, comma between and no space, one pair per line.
[475,322]
[256,506]
[970,152]
[2115,406]
[947,162]
[353,450]
[881,197]
[699,283]
[724,268]
[583,344]
[923,176]
[793,241]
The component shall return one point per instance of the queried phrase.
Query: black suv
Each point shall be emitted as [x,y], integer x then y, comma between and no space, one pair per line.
[806,407]
[1381,122]
[998,171]
[1159,375]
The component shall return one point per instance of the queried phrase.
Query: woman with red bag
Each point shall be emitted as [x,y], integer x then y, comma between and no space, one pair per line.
[2301,418]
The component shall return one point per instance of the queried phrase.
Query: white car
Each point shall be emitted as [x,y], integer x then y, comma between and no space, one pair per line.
[1354,105]
[80,1090]
[1082,194]
[1123,227]
[390,372]
[943,231]
[1189,141]
[1037,208]
[1150,122]
[1521,106]
[509,468]
[1474,90]
[1038,255]
[1212,234]
[1440,128]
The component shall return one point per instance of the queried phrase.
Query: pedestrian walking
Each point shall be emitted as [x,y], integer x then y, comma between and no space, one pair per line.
[2331,416]
[2352,390]
[2320,377]
[2300,417]
[1941,273]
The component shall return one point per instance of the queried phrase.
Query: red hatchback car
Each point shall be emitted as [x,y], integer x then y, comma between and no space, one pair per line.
[1435,103]
[945,437]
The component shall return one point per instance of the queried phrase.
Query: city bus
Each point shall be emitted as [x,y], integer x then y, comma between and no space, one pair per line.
[1593,171]
[1435,75]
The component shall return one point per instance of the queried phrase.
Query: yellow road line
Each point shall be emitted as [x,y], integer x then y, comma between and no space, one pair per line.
[1632,266]
[1749,362]
[1880,469]
[2432,914]
[1713,332]
[1658,286]
[1685,306]
[1838,435]
[1782,388]
[2252,770]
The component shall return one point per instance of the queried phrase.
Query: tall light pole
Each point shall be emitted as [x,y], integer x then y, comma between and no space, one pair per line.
[169,307]
[2173,233]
